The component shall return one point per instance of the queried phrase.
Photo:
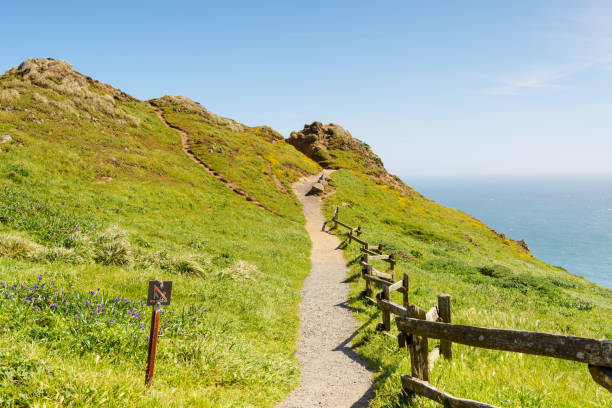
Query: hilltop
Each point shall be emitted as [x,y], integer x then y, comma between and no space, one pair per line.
[101,192]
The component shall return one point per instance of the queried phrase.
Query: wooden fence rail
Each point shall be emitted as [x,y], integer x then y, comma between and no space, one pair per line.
[584,350]
[423,388]
[416,326]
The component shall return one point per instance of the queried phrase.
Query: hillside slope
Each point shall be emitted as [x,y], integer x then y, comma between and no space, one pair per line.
[97,195]
[493,282]
[255,158]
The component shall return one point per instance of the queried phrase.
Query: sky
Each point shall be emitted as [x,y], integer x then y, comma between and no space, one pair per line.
[436,88]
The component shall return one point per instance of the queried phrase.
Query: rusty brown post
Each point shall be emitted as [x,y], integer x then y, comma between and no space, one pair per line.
[152,344]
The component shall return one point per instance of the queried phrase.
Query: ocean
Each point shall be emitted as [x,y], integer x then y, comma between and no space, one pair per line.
[565,220]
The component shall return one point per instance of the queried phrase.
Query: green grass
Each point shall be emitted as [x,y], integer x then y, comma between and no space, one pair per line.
[100,203]
[492,283]
[256,158]
[96,192]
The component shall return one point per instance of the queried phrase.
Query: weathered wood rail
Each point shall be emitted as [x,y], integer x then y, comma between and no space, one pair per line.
[416,327]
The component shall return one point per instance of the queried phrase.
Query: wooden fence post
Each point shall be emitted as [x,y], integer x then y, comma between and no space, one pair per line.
[406,286]
[392,265]
[419,350]
[335,219]
[417,345]
[444,309]
[367,269]
[386,314]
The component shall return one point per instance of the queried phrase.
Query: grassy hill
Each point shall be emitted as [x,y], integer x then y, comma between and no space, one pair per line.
[97,195]
[493,282]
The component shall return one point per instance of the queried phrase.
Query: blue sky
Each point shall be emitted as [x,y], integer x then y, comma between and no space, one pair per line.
[436,88]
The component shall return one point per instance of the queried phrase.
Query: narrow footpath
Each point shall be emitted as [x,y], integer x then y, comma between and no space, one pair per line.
[332,374]
[217,175]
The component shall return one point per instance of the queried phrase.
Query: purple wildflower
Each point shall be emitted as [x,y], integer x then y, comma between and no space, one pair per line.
[87,303]
[142,326]
[39,277]
[54,304]
[91,292]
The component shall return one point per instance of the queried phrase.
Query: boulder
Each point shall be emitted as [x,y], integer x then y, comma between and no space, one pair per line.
[5,139]
[317,188]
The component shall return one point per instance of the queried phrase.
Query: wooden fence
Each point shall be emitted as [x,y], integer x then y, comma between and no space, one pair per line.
[416,327]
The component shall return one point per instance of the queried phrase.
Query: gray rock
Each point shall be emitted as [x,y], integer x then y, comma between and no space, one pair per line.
[5,139]
[317,188]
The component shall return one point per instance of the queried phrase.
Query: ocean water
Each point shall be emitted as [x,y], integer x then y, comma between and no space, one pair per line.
[566,220]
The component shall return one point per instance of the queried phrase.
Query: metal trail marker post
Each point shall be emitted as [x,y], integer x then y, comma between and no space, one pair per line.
[158,295]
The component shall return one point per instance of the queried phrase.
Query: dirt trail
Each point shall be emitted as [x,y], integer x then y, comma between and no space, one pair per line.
[217,175]
[332,373]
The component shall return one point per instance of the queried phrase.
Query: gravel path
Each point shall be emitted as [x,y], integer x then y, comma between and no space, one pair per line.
[332,373]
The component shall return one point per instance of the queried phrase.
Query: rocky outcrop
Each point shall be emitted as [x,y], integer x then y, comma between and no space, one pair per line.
[325,144]
[60,76]
[68,91]
[317,140]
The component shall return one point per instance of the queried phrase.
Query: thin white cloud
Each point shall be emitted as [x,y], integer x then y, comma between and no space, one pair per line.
[536,78]
[589,40]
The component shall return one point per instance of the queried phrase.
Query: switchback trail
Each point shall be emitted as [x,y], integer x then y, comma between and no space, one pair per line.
[217,175]
[333,375]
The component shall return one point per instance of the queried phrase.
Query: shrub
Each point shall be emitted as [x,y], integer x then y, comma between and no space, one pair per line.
[40,98]
[416,253]
[322,157]
[240,270]
[20,247]
[495,271]
[112,247]
[62,254]
[188,265]
[8,95]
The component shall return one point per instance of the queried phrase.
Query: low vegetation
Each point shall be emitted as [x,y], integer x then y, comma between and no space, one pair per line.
[492,282]
[97,197]
[257,159]
[90,199]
